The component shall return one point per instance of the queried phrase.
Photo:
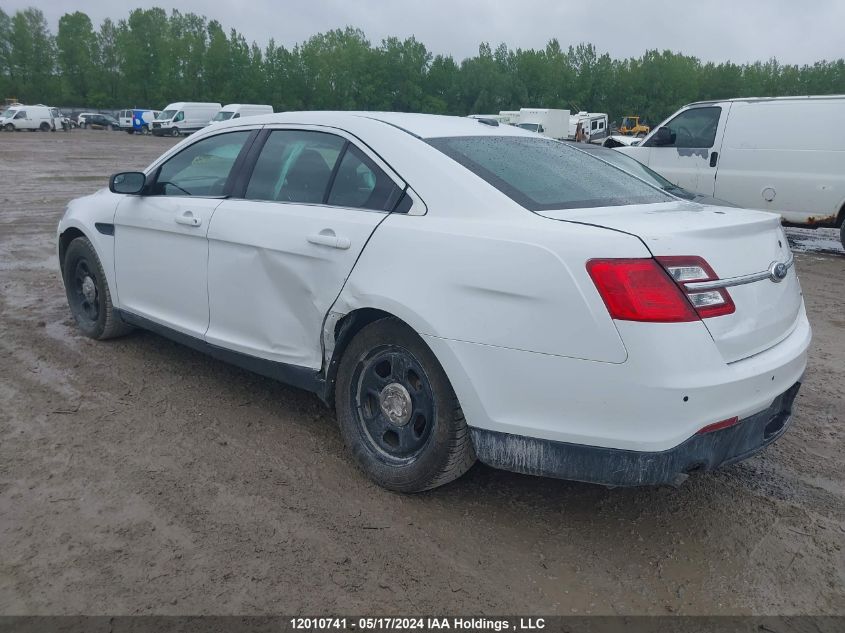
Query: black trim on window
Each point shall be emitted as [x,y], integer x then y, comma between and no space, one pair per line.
[246,166]
[335,168]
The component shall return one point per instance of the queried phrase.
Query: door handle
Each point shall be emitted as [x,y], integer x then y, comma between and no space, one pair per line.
[327,237]
[714,156]
[188,218]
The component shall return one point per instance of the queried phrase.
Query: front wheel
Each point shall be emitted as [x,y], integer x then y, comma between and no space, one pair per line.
[44,127]
[88,292]
[397,411]
[9,127]
[174,131]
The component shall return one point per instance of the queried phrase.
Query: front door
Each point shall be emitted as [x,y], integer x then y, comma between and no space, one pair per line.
[690,158]
[161,248]
[280,255]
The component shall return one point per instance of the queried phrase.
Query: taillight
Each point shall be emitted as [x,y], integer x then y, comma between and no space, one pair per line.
[690,269]
[639,290]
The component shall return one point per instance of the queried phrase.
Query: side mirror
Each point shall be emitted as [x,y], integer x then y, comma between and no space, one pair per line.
[128,182]
[663,136]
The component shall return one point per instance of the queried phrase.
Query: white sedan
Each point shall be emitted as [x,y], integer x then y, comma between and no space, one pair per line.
[456,290]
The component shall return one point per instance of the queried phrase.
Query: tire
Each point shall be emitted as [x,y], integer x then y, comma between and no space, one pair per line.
[130,131]
[148,130]
[9,127]
[842,234]
[88,293]
[174,131]
[426,442]
[44,127]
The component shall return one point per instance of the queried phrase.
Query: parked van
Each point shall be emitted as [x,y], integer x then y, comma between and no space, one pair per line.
[184,118]
[780,154]
[28,117]
[240,110]
[124,117]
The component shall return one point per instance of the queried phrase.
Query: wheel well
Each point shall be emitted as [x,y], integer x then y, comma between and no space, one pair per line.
[840,219]
[344,331]
[64,241]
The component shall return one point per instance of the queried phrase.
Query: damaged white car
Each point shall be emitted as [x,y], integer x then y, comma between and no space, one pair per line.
[456,290]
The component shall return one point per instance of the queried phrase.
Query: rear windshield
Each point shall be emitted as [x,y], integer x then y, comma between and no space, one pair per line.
[542,174]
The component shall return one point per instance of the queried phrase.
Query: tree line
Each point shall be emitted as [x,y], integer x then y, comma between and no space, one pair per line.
[151,58]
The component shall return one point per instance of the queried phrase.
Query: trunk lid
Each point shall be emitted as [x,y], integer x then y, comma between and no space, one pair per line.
[736,243]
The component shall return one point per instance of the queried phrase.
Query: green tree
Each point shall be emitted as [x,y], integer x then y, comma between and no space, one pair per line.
[77,54]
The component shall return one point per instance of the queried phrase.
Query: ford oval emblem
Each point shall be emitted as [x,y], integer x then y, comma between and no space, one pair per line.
[777,272]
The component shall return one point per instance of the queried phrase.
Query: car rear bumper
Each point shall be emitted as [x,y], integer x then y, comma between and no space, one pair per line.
[615,467]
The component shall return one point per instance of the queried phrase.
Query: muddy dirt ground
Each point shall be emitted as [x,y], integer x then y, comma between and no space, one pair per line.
[137,476]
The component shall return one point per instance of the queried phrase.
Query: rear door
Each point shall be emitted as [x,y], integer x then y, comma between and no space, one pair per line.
[691,157]
[161,249]
[280,255]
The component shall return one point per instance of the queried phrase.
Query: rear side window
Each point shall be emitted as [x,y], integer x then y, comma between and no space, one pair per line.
[319,168]
[360,184]
[295,166]
[542,174]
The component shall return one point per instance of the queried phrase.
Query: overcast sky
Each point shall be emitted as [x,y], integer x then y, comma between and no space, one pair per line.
[740,30]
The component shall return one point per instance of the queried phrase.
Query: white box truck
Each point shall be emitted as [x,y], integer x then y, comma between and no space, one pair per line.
[781,154]
[546,121]
[240,110]
[184,117]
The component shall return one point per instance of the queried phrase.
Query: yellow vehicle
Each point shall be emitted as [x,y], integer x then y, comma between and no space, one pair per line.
[631,126]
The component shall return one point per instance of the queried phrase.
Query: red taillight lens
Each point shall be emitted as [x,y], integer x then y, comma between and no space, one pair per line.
[690,269]
[639,290]
[718,426]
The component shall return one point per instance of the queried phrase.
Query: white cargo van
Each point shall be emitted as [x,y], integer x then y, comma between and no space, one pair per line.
[545,121]
[785,155]
[184,118]
[28,117]
[240,110]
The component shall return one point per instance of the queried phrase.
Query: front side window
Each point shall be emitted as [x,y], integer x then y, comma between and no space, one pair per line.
[694,128]
[179,117]
[21,114]
[201,169]
[542,174]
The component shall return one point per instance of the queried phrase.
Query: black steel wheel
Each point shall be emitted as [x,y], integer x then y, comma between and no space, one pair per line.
[395,403]
[397,411]
[88,293]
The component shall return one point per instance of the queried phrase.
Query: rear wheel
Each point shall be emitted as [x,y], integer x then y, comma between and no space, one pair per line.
[398,413]
[88,293]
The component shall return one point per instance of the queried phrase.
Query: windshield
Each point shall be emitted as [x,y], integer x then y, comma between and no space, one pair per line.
[167,114]
[8,114]
[531,127]
[542,174]
[223,115]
